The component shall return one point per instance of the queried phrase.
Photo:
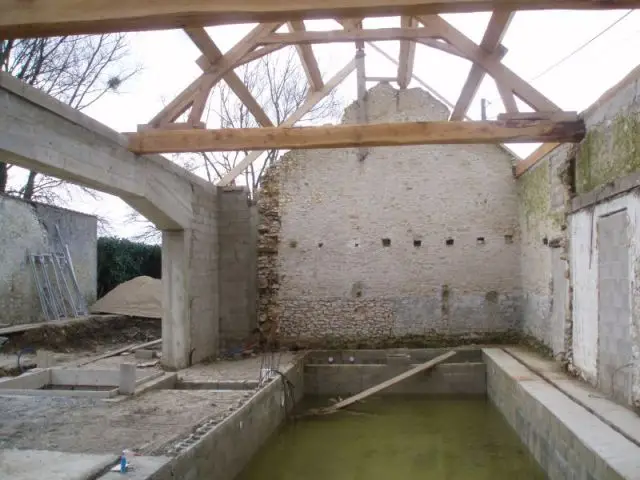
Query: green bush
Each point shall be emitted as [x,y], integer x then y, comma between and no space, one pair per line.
[120,260]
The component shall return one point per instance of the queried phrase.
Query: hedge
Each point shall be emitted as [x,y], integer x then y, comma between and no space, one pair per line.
[120,260]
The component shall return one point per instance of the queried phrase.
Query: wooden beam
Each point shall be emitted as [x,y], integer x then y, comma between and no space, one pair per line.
[381,79]
[442,46]
[203,41]
[204,63]
[340,36]
[307,58]
[524,165]
[556,116]
[41,18]
[346,136]
[203,84]
[311,101]
[496,29]
[407,54]
[490,64]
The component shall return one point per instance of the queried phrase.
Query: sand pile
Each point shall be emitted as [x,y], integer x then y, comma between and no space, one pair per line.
[139,297]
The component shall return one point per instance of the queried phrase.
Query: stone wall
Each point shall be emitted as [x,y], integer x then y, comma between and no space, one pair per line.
[30,228]
[237,232]
[411,241]
[543,196]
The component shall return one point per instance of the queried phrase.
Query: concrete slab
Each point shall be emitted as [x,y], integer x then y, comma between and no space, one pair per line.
[143,468]
[36,464]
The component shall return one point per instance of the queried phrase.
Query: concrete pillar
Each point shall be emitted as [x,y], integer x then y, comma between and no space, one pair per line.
[176,321]
[190,271]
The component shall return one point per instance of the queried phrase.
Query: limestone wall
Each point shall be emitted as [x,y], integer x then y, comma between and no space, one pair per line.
[30,228]
[411,241]
[543,197]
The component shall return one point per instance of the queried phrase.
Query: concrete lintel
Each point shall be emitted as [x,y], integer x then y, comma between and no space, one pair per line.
[42,134]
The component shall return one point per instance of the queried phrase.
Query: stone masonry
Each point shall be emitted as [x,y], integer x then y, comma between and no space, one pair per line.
[411,241]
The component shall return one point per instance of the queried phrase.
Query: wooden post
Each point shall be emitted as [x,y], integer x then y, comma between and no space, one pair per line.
[362,93]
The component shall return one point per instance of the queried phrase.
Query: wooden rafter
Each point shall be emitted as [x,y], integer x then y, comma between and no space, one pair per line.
[407,54]
[307,58]
[346,136]
[508,100]
[203,41]
[500,73]
[496,29]
[199,89]
[308,105]
[41,18]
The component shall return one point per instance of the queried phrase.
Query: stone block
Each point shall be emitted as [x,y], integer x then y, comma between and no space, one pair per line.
[127,384]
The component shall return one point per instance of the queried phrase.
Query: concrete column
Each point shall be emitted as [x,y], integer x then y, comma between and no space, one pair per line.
[176,321]
[190,273]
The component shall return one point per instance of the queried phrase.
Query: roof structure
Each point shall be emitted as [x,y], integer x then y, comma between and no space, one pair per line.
[178,127]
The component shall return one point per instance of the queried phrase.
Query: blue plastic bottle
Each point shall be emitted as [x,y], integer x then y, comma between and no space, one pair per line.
[123,462]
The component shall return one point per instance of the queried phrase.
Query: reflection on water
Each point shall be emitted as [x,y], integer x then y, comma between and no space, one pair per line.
[398,438]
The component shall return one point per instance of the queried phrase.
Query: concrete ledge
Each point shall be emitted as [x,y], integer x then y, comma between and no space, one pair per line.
[617,187]
[565,438]
[32,464]
[33,383]
[618,417]
[446,378]
[217,385]
[381,356]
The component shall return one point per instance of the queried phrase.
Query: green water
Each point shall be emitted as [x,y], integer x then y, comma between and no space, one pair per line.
[398,438]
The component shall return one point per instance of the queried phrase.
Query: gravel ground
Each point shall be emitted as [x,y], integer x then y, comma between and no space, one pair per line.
[79,425]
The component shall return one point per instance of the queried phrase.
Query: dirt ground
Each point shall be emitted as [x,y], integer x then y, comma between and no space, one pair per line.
[96,333]
[76,341]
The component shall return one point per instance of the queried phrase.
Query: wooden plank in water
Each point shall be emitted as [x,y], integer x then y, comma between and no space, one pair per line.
[388,383]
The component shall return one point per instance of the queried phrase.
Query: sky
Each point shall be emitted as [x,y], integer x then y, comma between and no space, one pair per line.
[535,41]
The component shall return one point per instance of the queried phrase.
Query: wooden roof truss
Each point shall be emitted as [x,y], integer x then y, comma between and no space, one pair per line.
[420,23]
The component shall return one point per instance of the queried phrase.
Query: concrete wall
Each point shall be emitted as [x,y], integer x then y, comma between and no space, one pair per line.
[566,439]
[223,452]
[237,233]
[461,374]
[30,227]
[353,248]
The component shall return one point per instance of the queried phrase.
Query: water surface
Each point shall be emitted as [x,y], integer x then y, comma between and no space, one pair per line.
[398,438]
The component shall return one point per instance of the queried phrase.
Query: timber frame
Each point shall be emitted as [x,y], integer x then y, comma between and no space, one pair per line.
[179,127]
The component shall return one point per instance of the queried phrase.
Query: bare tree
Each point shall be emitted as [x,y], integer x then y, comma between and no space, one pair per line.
[280,85]
[77,70]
